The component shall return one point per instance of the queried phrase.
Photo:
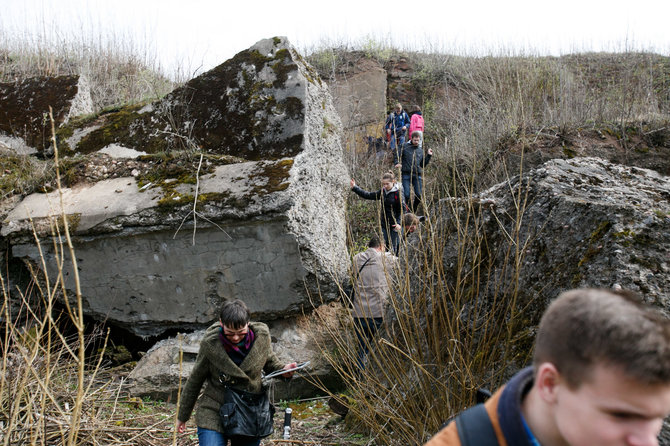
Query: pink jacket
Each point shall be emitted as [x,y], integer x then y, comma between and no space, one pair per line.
[416,123]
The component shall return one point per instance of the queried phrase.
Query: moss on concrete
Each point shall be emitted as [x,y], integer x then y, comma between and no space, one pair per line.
[23,174]
[271,177]
[127,127]
[25,107]
[231,110]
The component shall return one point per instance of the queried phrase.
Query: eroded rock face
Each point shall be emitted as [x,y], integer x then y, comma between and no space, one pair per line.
[586,223]
[359,93]
[24,109]
[269,222]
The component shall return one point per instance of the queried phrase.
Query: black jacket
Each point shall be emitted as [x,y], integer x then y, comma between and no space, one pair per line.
[391,202]
[412,159]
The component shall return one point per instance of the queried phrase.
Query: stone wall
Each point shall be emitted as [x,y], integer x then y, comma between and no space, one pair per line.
[148,283]
[359,94]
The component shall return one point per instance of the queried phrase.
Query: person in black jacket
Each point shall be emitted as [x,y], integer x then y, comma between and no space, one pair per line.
[411,160]
[396,126]
[391,200]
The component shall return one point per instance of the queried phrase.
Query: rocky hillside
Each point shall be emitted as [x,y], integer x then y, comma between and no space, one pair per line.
[493,111]
[235,184]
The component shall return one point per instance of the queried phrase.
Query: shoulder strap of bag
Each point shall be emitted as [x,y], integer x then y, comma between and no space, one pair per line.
[363,266]
[475,428]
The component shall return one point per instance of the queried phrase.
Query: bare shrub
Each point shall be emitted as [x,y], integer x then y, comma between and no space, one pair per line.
[454,324]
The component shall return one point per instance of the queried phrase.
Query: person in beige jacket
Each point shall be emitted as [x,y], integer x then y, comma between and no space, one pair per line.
[371,268]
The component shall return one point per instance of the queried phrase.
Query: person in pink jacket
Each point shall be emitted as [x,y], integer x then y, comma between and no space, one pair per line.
[416,122]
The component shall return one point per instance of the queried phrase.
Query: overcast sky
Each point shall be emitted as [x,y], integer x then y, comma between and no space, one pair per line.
[200,34]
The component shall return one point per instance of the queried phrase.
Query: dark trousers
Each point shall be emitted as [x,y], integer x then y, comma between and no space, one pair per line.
[393,234]
[397,140]
[415,181]
[366,328]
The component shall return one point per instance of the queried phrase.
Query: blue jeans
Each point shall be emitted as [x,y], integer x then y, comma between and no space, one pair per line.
[416,182]
[365,332]
[207,437]
[395,240]
[400,140]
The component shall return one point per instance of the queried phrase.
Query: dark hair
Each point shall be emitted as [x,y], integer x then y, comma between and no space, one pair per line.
[410,219]
[234,314]
[587,327]
[374,242]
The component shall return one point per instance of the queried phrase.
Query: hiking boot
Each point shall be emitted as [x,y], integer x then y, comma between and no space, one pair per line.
[337,406]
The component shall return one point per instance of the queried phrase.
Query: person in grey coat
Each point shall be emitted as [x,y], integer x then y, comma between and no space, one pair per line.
[372,291]
[238,350]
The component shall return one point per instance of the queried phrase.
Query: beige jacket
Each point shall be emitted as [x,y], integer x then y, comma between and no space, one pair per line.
[372,288]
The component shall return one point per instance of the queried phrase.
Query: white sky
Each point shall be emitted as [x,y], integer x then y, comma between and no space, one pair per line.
[200,34]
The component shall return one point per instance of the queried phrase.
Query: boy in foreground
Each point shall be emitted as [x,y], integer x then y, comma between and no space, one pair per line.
[600,376]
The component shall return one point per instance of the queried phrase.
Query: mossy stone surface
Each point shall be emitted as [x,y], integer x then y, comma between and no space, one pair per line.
[251,106]
[24,107]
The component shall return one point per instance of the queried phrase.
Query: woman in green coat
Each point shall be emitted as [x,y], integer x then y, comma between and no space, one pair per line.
[238,351]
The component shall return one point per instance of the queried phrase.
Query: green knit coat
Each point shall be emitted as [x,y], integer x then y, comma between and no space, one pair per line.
[211,361]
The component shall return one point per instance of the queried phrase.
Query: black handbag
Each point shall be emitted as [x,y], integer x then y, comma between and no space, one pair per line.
[246,414]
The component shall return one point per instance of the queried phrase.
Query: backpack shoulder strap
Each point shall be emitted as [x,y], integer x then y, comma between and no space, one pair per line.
[475,428]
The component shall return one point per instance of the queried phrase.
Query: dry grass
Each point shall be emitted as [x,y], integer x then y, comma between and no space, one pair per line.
[456,322]
[117,71]
[475,108]
[451,328]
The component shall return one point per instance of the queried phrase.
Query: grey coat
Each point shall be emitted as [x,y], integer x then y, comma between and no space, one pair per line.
[212,360]
[372,287]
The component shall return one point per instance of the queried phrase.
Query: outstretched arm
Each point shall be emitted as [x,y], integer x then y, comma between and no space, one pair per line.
[365,194]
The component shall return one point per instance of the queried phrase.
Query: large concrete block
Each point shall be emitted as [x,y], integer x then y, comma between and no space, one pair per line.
[269,220]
